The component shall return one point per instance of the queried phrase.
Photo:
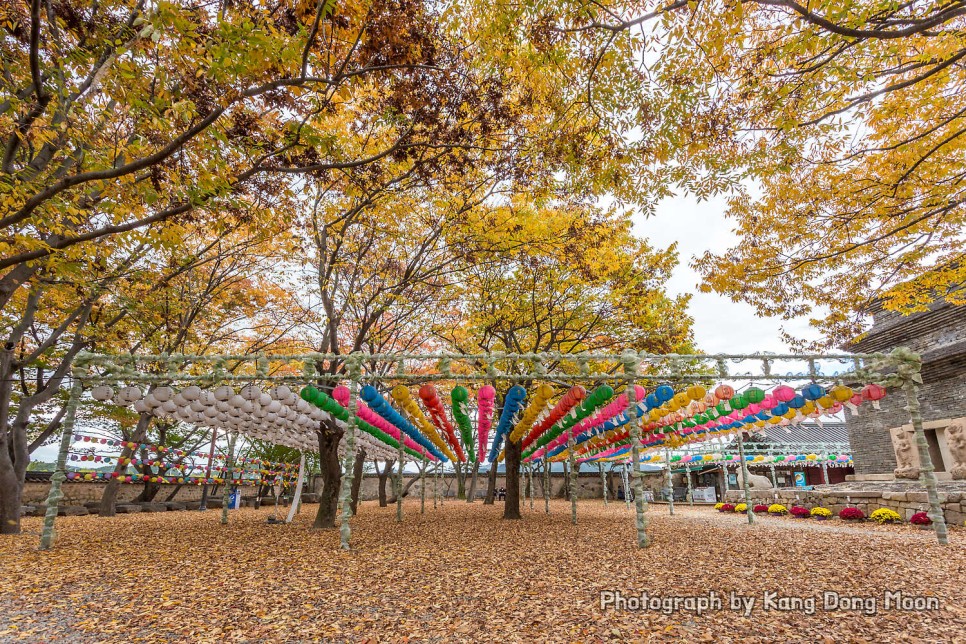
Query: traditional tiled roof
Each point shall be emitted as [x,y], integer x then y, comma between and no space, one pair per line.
[810,433]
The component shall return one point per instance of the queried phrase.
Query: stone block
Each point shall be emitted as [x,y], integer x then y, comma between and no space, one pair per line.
[192,505]
[127,508]
[72,511]
[894,496]
[174,506]
[32,510]
[923,497]
[153,507]
[310,497]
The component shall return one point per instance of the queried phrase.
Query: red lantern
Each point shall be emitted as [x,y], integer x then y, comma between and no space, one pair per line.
[724,392]
[873,392]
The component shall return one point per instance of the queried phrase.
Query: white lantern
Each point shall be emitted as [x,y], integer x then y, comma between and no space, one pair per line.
[163,394]
[102,392]
[140,407]
[248,407]
[129,395]
[237,401]
[191,393]
[250,392]
[224,392]
[264,399]
[169,407]
[197,406]
[210,412]
[280,393]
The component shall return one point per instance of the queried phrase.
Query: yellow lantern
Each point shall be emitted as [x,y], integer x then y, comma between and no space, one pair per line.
[696,392]
[841,393]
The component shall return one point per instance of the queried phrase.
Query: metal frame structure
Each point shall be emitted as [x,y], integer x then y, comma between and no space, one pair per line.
[900,369]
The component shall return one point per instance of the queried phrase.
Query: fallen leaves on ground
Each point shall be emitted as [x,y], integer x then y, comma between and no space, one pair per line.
[463,573]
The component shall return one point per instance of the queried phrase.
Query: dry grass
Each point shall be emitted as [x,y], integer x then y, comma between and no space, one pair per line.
[462,573]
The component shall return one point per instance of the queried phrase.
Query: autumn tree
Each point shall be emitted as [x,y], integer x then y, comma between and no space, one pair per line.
[583,283]
[218,296]
[840,127]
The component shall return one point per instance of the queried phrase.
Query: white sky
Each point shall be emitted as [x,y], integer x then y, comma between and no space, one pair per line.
[720,325]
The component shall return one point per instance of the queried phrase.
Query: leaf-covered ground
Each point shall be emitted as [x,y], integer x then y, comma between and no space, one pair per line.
[462,573]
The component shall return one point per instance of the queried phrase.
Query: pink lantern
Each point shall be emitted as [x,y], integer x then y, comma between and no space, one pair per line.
[341,395]
[783,393]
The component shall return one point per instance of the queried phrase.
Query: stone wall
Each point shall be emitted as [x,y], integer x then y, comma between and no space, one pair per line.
[938,335]
[904,498]
[80,492]
[589,486]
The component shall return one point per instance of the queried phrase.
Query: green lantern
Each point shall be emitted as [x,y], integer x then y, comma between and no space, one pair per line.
[754,395]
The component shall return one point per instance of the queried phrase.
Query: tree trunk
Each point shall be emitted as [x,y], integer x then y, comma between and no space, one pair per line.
[460,480]
[357,479]
[10,492]
[109,497]
[11,487]
[511,509]
[149,492]
[329,436]
[490,486]
[383,479]
[471,493]
[565,488]
[409,484]
[174,492]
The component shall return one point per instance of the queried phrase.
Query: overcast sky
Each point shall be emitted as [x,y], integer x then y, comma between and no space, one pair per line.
[720,325]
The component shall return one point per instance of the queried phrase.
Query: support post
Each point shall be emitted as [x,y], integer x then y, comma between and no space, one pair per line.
[572,459]
[399,483]
[530,483]
[60,474]
[744,481]
[687,474]
[825,472]
[230,470]
[670,483]
[422,486]
[297,499]
[927,471]
[211,456]
[631,362]
[626,481]
[439,465]
[546,486]
[345,531]
[603,480]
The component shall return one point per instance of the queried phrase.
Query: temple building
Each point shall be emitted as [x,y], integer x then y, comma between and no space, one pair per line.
[883,444]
